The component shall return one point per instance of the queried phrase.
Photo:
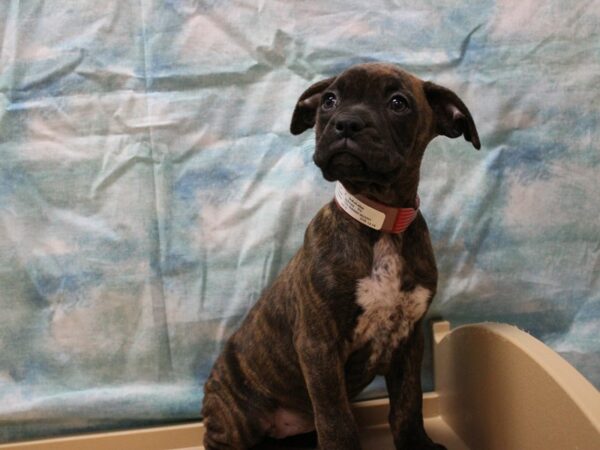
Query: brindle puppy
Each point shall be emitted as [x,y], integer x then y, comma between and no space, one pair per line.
[349,304]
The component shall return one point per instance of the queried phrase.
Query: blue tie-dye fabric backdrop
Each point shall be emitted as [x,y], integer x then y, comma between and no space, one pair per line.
[149,188]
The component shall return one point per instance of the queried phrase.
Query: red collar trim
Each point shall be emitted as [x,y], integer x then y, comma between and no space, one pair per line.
[374,214]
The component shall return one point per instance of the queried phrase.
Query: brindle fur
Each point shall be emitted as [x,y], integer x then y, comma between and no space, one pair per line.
[292,350]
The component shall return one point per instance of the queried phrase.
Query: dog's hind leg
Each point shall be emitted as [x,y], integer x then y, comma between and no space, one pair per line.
[228,427]
[223,436]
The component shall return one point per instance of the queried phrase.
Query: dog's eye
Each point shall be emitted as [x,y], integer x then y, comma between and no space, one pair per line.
[399,103]
[329,101]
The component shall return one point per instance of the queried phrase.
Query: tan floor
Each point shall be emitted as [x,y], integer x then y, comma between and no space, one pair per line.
[380,438]
[376,435]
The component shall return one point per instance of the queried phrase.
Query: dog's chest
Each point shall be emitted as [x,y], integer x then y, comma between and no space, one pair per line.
[389,313]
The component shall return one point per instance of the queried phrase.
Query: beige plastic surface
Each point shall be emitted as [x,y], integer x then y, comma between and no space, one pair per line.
[502,389]
[497,388]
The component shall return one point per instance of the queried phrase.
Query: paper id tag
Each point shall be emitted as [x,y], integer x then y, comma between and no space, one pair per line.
[357,209]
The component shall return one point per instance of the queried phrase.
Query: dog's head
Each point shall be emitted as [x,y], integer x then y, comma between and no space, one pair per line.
[373,122]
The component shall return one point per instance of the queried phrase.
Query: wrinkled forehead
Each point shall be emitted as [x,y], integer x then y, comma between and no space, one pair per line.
[375,79]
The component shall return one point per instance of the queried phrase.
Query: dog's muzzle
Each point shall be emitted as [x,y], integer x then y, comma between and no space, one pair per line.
[349,150]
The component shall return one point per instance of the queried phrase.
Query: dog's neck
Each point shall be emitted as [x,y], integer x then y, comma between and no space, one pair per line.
[374,214]
[400,194]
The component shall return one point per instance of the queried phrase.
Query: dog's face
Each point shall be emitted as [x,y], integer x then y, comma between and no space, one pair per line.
[374,121]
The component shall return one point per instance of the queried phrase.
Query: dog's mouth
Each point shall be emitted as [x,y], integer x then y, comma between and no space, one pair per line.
[340,160]
[344,145]
[343,165]
[345,160]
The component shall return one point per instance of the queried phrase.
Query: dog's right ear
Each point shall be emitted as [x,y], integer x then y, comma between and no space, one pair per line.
[306,109]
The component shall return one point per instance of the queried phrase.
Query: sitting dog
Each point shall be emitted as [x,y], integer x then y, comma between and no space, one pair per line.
[350,303]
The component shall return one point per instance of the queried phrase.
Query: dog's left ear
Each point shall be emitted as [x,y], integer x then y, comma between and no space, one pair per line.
[306,108]
[452,117]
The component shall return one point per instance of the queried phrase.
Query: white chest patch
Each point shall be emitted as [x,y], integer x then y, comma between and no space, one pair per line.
[389,313]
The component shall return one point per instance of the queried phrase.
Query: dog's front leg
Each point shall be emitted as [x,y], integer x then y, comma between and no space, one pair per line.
[406,396]
[324,377]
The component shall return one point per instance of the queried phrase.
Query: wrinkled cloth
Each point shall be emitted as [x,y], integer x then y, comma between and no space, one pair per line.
[150,189]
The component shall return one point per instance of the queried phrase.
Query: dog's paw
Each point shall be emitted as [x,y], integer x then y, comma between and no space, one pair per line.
[429,446]
[426,444]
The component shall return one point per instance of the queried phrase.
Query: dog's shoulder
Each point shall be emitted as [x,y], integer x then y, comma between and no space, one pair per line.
[337,244]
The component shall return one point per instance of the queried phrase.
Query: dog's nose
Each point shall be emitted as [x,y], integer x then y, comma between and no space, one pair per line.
[348,126]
